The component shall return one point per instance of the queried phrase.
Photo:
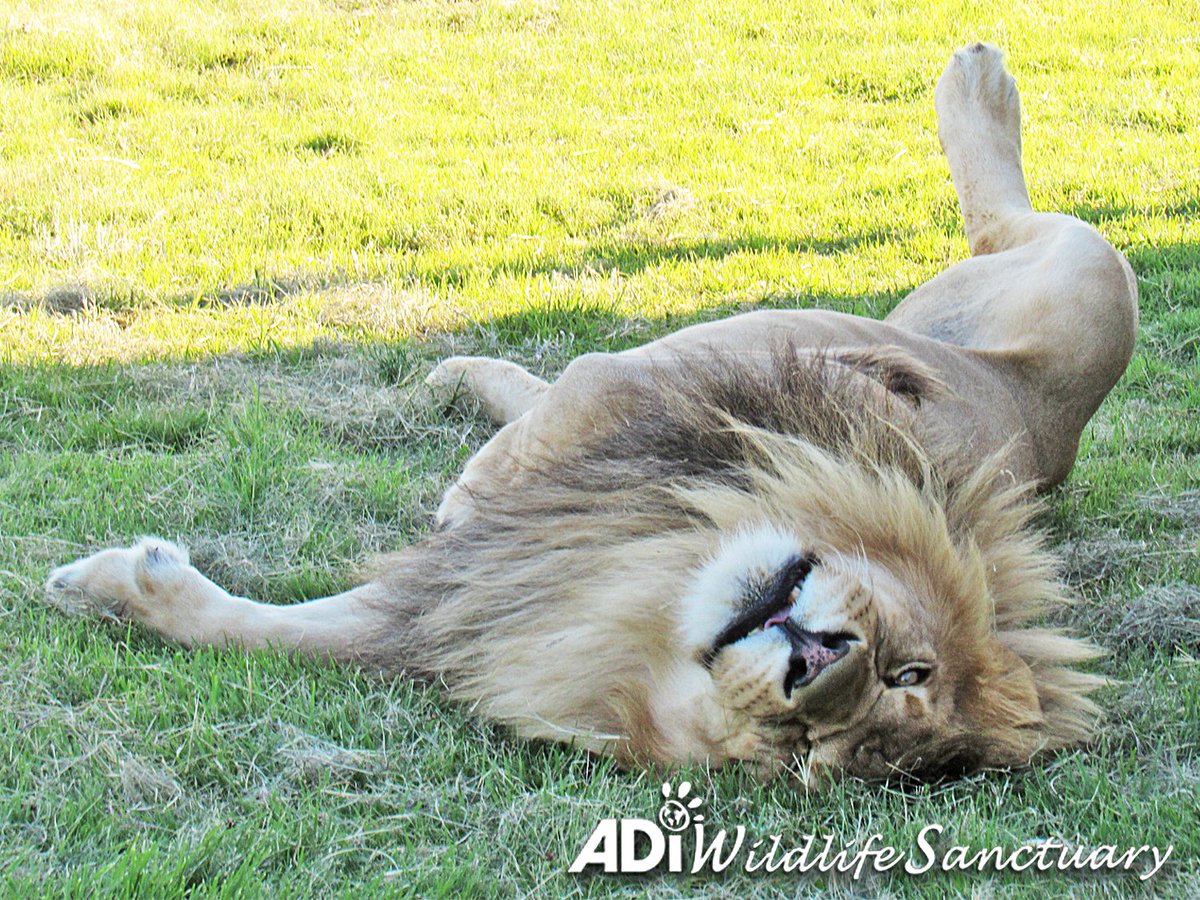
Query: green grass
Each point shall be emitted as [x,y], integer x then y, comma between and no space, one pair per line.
[234,238]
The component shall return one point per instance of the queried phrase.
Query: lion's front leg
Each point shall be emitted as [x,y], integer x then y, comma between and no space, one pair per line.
[504,390]
[547,420]
[490,471]
[153,584]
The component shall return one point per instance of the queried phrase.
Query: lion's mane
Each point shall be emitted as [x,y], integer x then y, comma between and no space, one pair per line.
[551,608]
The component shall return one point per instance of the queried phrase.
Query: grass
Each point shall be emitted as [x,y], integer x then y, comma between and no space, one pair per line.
[235,236]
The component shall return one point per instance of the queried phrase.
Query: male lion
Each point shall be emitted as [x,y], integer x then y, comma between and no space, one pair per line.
[798,538]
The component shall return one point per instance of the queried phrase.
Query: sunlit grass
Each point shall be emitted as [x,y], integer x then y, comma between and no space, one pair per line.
[234,237]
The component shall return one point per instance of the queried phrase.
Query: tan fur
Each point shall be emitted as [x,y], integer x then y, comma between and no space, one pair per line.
[643,505]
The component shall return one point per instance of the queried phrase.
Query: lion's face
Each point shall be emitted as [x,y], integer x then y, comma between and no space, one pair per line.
[874,666]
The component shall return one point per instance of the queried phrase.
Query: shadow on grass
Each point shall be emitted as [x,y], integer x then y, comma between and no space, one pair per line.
[1102,209]
[625,257]
[150,403]
[72,297]
[633,257]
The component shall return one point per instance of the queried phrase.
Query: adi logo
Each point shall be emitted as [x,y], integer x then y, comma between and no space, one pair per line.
[640,845]
[676,815]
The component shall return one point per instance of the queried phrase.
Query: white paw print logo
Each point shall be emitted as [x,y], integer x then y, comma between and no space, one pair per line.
[676,812]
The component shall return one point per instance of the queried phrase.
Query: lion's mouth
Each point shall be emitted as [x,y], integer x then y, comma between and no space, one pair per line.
[811,651]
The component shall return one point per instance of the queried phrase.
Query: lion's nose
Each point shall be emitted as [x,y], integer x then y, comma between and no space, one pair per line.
[812,653]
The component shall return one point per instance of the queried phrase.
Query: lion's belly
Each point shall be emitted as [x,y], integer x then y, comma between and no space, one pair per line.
[976,417]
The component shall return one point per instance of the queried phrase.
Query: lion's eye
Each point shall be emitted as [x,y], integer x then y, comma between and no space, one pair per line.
[910,676]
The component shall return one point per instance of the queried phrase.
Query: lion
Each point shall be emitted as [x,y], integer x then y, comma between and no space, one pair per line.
[796,539]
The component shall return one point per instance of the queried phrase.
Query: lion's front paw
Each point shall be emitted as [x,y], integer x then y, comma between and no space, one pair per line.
[451,376]
[117,583]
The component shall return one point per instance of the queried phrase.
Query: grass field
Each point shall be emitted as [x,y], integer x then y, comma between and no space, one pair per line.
[235,236]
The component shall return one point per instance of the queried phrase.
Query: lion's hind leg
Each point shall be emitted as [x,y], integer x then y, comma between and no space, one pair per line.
[1044,301]
[504,390]
[153,584]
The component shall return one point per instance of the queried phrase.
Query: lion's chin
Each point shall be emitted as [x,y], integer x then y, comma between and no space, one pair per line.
[795,662]
[751,674]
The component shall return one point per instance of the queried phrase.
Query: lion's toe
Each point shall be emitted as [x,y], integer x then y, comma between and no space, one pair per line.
[86,588]
[65,591]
